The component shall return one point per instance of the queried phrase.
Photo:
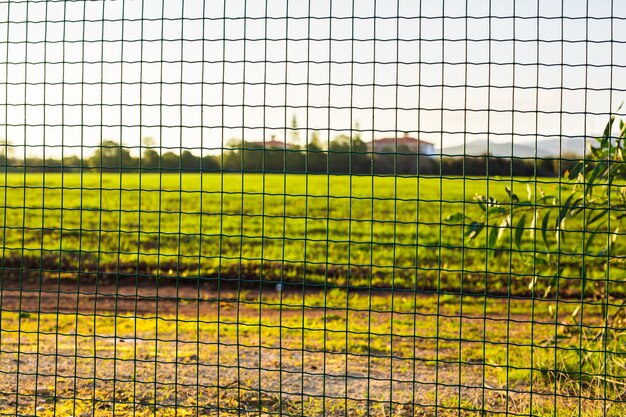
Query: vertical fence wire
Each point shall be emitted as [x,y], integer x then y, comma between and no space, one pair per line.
[312,208]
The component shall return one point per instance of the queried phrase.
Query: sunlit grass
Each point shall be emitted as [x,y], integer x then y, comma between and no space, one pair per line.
[355,231]
[282,352]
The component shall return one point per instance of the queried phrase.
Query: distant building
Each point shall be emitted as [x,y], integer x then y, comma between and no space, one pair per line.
[405,143]
[273,143]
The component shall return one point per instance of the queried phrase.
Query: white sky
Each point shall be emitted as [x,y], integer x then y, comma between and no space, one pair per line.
[194,74]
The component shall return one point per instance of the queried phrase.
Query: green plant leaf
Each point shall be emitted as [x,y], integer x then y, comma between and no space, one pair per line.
[493,238]
[456,218]
[513,197]
[544,229]
[474,229]
[563,212]
[533,225]
[519,232]
[597,216]
[598,171]
[591,238]
[576,170]
[611,245]
[576,207]
[606,136]
[481,202]
[496,211]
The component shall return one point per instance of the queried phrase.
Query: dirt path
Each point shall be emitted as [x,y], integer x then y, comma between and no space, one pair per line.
[126,296]
[81,348]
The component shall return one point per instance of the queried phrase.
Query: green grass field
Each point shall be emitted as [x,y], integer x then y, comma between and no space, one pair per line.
[335,230]
[318,350]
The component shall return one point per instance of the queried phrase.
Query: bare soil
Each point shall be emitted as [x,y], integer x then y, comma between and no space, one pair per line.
[239,369]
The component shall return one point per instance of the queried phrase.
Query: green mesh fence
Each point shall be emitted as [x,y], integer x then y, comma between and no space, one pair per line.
[312,208]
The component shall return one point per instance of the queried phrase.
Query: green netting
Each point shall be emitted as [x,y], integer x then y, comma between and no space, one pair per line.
[312,208]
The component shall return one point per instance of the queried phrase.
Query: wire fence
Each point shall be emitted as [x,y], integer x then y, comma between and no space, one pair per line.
[312,208]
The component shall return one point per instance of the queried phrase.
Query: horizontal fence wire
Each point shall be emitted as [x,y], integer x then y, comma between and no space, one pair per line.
[312,208]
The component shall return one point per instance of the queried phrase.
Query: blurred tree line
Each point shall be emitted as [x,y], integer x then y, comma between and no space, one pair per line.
[344,155]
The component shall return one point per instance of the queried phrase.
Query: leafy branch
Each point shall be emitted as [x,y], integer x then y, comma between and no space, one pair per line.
[583,218]
[575,228]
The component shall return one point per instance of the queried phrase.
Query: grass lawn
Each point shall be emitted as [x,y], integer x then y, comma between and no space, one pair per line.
[356,231]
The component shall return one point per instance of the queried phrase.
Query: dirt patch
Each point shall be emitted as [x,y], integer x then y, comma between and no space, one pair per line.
[165,346]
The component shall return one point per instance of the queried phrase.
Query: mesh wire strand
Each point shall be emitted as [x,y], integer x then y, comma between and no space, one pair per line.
[312,208]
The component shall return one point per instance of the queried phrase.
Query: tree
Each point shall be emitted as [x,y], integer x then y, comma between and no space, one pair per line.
[570,236]
[315,144]
[111,156]
[210,163]
[360,159]
[294,132]
[190,162]
[6,150]
[72,162]
[170,161]
[316,159]
[339,155]
[232,155]
[148,142]
[356,136]
[150,159]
